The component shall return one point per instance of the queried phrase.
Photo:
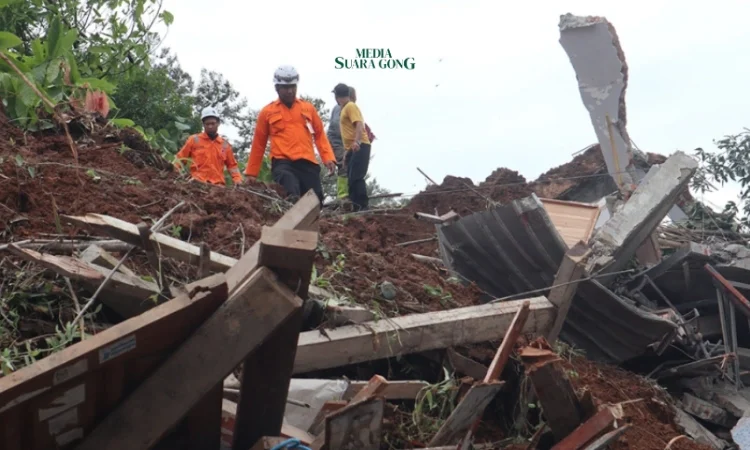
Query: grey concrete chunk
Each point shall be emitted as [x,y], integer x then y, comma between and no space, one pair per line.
[615,243]
[602,73]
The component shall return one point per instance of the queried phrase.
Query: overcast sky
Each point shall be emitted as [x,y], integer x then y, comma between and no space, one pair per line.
[492,86]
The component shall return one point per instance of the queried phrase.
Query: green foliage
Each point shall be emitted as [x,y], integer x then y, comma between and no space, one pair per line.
[730,163]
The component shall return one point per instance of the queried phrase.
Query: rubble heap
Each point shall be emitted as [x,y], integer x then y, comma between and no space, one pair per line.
[141,310]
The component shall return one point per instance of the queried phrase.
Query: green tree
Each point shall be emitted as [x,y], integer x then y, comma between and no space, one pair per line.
[158,95]
[730,163]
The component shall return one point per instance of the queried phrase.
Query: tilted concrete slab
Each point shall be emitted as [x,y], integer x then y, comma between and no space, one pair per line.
[615,243]
[599,63]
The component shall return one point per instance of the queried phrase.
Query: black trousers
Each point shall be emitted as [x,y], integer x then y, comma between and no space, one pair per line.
[297,177]
[357,164]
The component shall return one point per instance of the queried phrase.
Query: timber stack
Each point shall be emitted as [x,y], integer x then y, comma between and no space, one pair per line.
[139,311]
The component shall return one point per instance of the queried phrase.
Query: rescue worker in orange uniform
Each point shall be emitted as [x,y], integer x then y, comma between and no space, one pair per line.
[292,125]
[209,153]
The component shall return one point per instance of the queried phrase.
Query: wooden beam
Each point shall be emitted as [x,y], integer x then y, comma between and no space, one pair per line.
[564,288]
[168,246]
[303,215]
[238,327]
[204,421]
[559,401]
[102,358]
[501,356]
[267,372]
[329,407]
[416,333]
[509,341]
[466,366]
[467,412]
[128,296]
[94,254]
[395,390]
[204,262]
[597,425]
[356,426]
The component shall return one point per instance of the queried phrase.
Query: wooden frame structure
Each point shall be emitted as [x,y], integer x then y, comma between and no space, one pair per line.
[155,380]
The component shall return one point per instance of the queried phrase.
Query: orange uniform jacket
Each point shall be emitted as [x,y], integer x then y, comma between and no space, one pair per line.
[292,131]
[209,157]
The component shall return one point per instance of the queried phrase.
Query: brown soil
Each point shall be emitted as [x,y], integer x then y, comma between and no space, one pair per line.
[131,189]
[651,418]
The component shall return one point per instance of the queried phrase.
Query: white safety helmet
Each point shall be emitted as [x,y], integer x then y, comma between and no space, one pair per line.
[285,75]
[209,112]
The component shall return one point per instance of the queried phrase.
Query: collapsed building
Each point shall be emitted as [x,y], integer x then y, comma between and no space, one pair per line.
[511,314]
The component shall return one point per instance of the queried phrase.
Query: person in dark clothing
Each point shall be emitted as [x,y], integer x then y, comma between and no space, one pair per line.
[357,146]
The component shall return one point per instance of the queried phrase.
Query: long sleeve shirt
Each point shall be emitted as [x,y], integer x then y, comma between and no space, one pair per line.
[208,159]
[292,132]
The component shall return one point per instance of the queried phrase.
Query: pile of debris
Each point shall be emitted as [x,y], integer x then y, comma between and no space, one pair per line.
[143,311]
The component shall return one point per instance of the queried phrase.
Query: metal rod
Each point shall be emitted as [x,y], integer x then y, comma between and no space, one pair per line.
[536,291]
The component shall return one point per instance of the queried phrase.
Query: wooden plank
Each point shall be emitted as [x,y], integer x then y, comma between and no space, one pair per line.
[266,375]
[395,390]
[204,262]
[229,414]
[599,424]
[606,439]
[501,356]
[358,426]
[466,366]
[267,372]
[94,254]
[203,360]
[416,333]
[509,341]
[287,249]
[375,387]
[467,412]
[127,296]
[556,395]
[572,269]
[160,328]
[574,221]
[168,246]
[329,407]
[94,369]
[303,215]
[203,422]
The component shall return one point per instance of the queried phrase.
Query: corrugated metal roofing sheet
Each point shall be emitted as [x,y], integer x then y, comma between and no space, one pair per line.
[515,248]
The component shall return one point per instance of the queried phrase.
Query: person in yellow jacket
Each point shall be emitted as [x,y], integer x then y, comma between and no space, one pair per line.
[208,153]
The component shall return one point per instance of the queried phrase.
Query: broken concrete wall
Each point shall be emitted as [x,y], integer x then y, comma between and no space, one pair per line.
[599,63]
[615,243]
